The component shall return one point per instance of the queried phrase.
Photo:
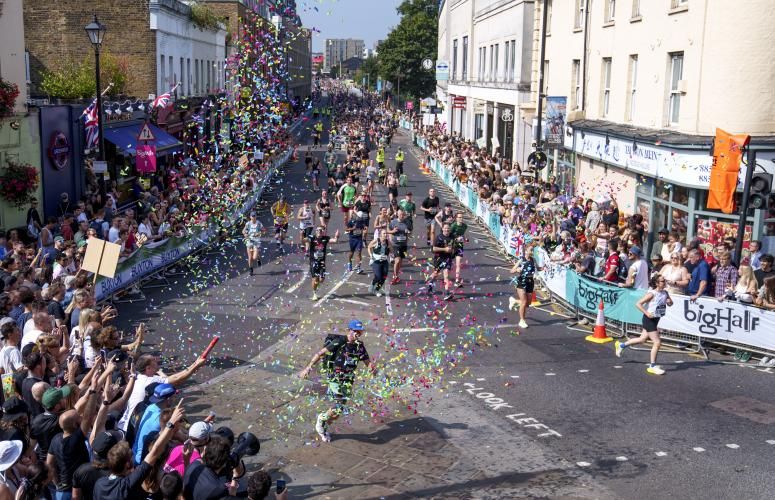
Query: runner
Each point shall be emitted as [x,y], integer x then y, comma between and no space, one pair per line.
[341,354]
[398,231]
[252,233]
[355,228]
[323,207]
[280,212]
[382,175]
[525,269]
[392,186]
[371,177]
[379,258]
[458,231]
[381,222]
[408,206]
[653,305]
[317,251]
[315,174]
[362,209]
[306,218]
[446,216]
[430,207]
[443,253]
[346,197]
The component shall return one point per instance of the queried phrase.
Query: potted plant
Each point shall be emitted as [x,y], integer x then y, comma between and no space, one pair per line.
[8,94]
[18,183]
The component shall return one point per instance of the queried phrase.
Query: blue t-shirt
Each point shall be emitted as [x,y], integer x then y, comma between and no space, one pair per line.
[148,424]
[701,272]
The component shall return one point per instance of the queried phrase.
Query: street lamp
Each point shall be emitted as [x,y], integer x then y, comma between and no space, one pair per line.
[96,32]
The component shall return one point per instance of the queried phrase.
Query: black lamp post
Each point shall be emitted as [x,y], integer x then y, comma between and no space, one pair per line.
[96,33]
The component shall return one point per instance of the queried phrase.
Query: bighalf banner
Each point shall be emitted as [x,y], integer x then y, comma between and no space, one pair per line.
[727,153]
[145,159]
[618,303]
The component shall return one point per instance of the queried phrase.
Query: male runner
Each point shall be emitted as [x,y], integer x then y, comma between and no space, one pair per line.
[443,252]
[306,218]
[408,206]
[317,250]
[430,207]
[346,196]
[398,231]
[281,210]
[458,231]
[446,216]
[342,354]
[356,229]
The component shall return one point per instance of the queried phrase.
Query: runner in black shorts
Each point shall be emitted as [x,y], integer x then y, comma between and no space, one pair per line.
[323,207]
[318,249]
[430,207]
[355,228]
[525,269]
[399,232]
[443,255]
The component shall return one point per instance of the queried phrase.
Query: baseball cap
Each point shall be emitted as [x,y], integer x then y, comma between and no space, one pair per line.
[104,441]
[162,392]
[118,355]
[635,250]
[14,408]
[59,238]
[6,319]
[10,451]
[52,396]
[355,325]
[200,431]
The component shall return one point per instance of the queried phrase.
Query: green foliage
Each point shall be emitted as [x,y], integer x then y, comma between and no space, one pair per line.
[414,39]
[370,71]
[204,18]
[8,94]
[76,81]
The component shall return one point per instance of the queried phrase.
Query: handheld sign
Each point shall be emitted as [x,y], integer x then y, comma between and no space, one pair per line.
[210,347]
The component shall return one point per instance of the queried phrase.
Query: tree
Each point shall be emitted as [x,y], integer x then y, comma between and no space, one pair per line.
[76,81]
[414,39]
[369,71]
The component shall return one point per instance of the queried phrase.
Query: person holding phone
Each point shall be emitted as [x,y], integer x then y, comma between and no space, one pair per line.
[653,305]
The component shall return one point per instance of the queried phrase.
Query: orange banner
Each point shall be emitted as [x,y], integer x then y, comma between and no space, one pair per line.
[727,153]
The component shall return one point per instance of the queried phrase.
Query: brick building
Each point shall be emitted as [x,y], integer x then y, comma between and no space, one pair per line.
[139,32]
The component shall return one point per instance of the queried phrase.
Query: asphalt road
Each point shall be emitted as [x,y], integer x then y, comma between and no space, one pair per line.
[704,429]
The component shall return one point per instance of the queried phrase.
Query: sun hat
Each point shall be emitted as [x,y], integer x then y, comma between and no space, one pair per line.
[10,451]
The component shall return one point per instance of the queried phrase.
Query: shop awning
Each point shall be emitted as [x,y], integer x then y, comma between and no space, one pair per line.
[125,138]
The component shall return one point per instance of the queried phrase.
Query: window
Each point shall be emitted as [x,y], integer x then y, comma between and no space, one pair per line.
[506,67]
[481,54]
[576,84]
[454,59]
[610,10]
[162,73]
[182,79]
[495,71]
[578,18]
[606,101]
[171,66]
[676,75]
[465,58]
[492,63]
[513,72]
[549,17]
[196,76]
[635,9]
[545,90]
[27,66]
[188,76]
[633,86]
[674,4]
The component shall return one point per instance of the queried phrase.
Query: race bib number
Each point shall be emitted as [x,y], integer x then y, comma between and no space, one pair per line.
[318,254]
[326,213]
[661,311]
[400,237]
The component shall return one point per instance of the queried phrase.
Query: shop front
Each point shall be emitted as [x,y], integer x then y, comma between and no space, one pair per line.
[664,178]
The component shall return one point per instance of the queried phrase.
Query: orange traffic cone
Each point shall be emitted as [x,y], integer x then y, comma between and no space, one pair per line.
[599,336]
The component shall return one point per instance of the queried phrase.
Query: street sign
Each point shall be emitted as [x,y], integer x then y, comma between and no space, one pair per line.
[427,64]
[146,134]
[409,105]
[99,167]
[435,110]
[442,70]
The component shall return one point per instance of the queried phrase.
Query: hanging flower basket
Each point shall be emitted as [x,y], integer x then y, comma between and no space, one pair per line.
[8,94]
[18,183]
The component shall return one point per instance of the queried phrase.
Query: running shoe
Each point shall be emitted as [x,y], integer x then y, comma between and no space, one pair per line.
[250,268]
[395,280]
[458,283]
[449,296]
[258,262]
[349,266]
[512,303]
[314,295]
[430,288]
[379,293]
[655,370]
[428,242]
[372,289]
[358,270]
[619,346]
[522,323]
[322,429]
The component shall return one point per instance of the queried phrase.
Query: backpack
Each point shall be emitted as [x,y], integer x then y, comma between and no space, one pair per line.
[622,270]
[330,357]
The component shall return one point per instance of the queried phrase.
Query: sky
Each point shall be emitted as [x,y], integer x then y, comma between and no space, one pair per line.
[369,20]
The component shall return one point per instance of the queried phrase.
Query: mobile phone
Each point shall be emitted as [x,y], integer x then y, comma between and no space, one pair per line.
[280,485]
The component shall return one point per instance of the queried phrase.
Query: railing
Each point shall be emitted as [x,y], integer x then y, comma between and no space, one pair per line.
[700,323]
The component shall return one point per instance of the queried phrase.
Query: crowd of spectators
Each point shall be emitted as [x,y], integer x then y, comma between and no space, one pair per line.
[594,237]
[85,414]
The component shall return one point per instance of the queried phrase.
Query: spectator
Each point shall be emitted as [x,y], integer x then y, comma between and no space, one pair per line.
[756,254]
[700,276]
[746,287]
[725,275]
[36,370]
[676,275]
[765,268]
[203,479]
[150,422]
[67,452]
[586,265]
[660,244]
[766,297]
[611,273]
[638,271]
[656,263]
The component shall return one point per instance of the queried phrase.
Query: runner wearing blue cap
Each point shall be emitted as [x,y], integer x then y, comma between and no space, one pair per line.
[342,354]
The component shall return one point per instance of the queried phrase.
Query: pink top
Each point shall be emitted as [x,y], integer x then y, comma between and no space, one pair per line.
[175,460]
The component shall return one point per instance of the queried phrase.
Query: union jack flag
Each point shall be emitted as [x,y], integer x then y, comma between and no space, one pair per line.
[163,100]
[90,124]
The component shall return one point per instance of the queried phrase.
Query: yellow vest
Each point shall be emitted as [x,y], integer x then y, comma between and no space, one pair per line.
[380,156]
[400,156]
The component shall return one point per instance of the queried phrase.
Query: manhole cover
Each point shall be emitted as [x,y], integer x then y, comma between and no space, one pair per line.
[751,409]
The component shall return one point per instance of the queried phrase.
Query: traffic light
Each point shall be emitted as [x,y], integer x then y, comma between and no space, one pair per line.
[761,187]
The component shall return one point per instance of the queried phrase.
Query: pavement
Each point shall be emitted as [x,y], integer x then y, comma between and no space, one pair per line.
[465,404]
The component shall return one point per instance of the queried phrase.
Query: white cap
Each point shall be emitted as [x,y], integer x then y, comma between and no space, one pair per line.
[200,431]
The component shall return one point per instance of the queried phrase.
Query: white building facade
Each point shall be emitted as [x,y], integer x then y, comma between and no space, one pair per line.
[186,54]
[488,47]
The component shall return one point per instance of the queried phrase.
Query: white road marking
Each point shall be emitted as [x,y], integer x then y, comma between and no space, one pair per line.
[515,376]
[698,449]
[661,454]
[297,285]
[618,366]
[356,302]
[583,371]
[733,446]
[550,374]
[358,283]
[388,305]
[583,464]
[481,379]
[334,289]
[771,441]
[621,459]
